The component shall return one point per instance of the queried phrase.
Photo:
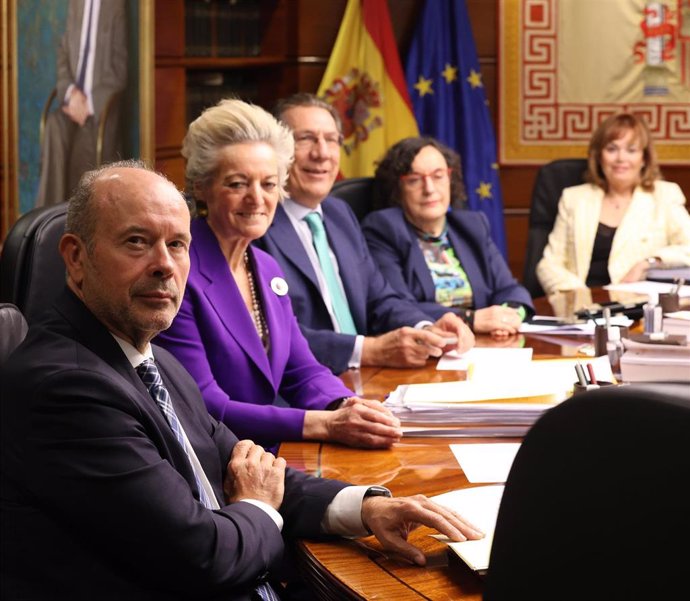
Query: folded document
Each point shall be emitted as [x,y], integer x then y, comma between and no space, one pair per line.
[480,506]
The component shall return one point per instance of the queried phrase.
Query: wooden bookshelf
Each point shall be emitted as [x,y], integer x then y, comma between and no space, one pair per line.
[209,50]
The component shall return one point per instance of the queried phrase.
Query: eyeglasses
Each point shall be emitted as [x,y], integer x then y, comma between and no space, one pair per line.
[415,181]
[309,139]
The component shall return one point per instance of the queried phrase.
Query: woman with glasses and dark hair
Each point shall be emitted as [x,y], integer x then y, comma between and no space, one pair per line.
[621,223]
[442,257]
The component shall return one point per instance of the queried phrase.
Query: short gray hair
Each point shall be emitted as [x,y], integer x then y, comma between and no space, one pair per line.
[229,122]
[81,216]
[306,99]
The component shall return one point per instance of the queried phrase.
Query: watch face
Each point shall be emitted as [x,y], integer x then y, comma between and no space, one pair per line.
[377,491]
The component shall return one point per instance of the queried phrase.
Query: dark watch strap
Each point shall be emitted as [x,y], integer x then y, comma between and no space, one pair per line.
[377,491]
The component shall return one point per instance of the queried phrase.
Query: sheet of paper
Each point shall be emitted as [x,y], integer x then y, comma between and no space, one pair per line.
[647,287]
[471,431]
[483,463]
[480,360]
[684,315]
[480,506]
[578,329]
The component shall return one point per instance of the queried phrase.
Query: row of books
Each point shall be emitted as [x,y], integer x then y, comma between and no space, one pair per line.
[207,88]
[222,28]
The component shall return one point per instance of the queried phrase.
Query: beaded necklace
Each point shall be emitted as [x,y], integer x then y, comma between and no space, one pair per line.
[256,312]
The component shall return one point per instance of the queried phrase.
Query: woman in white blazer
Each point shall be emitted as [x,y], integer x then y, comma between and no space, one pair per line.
[625,220]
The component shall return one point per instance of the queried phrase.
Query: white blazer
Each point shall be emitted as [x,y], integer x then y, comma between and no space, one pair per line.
[656,224]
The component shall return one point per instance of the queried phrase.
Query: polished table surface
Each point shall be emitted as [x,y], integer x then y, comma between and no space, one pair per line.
[343,569]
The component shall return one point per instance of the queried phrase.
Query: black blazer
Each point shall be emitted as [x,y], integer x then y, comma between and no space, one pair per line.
[99,499]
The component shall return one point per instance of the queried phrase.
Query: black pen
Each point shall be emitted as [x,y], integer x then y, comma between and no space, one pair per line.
[588,315]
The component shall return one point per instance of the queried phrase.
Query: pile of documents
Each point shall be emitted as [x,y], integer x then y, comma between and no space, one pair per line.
[677,323]
[644,362]
[501,397]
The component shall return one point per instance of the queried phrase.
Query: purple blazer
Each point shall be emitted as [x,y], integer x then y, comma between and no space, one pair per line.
[214,337]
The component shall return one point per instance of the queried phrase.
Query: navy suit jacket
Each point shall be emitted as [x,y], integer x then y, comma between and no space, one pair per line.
[99,500]
[393,244]
[214,337]
[376,307]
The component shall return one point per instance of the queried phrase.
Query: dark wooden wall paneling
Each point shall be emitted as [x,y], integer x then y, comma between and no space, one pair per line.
[311,27]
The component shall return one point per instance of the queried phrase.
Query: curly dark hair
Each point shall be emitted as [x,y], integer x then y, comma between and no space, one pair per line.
[611,129]
[398,161]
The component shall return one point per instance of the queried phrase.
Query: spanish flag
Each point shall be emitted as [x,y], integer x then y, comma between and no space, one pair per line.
[364,80]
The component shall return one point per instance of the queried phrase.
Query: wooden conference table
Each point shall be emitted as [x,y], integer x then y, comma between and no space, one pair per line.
[357,569]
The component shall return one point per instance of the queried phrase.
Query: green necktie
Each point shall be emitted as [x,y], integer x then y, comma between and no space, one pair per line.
[340,306]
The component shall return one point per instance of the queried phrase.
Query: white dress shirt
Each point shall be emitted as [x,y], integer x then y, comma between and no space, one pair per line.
[343,515]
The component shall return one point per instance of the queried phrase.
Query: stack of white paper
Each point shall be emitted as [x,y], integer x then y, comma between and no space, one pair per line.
[677,323]
[642,362]
[502,402]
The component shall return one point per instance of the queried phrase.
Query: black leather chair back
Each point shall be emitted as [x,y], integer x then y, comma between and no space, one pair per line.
[551,179]
[358,193]
[32,272]
[596,503]
[13,328]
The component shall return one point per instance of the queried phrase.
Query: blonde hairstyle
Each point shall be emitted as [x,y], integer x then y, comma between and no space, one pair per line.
[613,128]
[230,122]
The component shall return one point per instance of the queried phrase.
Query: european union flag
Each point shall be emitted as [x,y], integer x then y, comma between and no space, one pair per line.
[449,102]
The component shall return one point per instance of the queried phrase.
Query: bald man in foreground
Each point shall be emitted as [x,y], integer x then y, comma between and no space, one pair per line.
[116,482]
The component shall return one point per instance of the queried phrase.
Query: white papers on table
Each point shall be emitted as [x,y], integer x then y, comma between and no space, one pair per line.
[646,287]
[482,359]
[682,315]
[573,329]
[486,462]
[552,378]
[480,506]
[644,362]
[677,323]
[466,431]
[478,407]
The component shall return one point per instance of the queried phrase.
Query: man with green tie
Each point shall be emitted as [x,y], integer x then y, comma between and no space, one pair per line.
[348,312]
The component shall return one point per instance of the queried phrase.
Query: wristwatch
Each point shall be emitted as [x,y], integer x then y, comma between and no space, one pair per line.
[377,491]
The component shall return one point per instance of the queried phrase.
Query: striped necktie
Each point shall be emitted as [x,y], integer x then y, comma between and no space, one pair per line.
[87,46]
[338,300]
[148,372]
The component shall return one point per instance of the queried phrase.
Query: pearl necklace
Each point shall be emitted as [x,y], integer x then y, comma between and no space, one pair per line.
[256,312]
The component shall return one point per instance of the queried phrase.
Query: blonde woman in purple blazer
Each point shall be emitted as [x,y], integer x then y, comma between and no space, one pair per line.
[236,332]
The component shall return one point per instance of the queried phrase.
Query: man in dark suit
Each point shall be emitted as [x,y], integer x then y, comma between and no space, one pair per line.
[116,482]
[91,67]
[379,330]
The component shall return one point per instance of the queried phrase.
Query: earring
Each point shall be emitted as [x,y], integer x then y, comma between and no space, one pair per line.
[201,209]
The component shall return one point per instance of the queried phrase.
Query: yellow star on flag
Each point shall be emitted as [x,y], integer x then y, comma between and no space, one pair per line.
[484,190]
[475,79]
[450,74]
[424,86]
